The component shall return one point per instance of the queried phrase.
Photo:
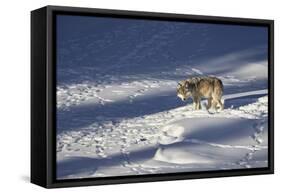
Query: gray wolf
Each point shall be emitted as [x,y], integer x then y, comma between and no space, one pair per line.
[202,87]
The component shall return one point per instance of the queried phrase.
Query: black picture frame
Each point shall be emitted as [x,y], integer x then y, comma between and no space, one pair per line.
[43,96]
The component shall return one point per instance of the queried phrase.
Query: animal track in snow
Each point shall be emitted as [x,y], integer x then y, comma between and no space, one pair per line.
[257,137]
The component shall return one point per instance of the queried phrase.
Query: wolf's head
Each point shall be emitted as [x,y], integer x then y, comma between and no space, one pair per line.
[183,90]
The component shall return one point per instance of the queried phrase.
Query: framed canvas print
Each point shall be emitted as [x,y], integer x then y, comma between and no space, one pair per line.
[125,96]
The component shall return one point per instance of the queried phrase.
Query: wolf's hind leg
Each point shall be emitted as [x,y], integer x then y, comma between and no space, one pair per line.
[221,106]
[209,103]
[214,104]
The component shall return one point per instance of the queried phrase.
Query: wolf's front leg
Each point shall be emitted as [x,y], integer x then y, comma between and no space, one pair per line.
[196,104]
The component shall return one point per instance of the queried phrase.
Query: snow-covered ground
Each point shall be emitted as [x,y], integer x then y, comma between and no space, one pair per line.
[117,108]
[173,140]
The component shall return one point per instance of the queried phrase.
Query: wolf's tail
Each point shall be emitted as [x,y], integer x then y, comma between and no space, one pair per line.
[221,92]
[221,85]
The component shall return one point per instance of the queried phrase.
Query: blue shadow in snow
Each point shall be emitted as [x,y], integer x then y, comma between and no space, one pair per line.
[77,165]
[82,116]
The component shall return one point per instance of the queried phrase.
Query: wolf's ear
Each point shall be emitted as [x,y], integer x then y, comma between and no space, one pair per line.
[186,83]
[179,85]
